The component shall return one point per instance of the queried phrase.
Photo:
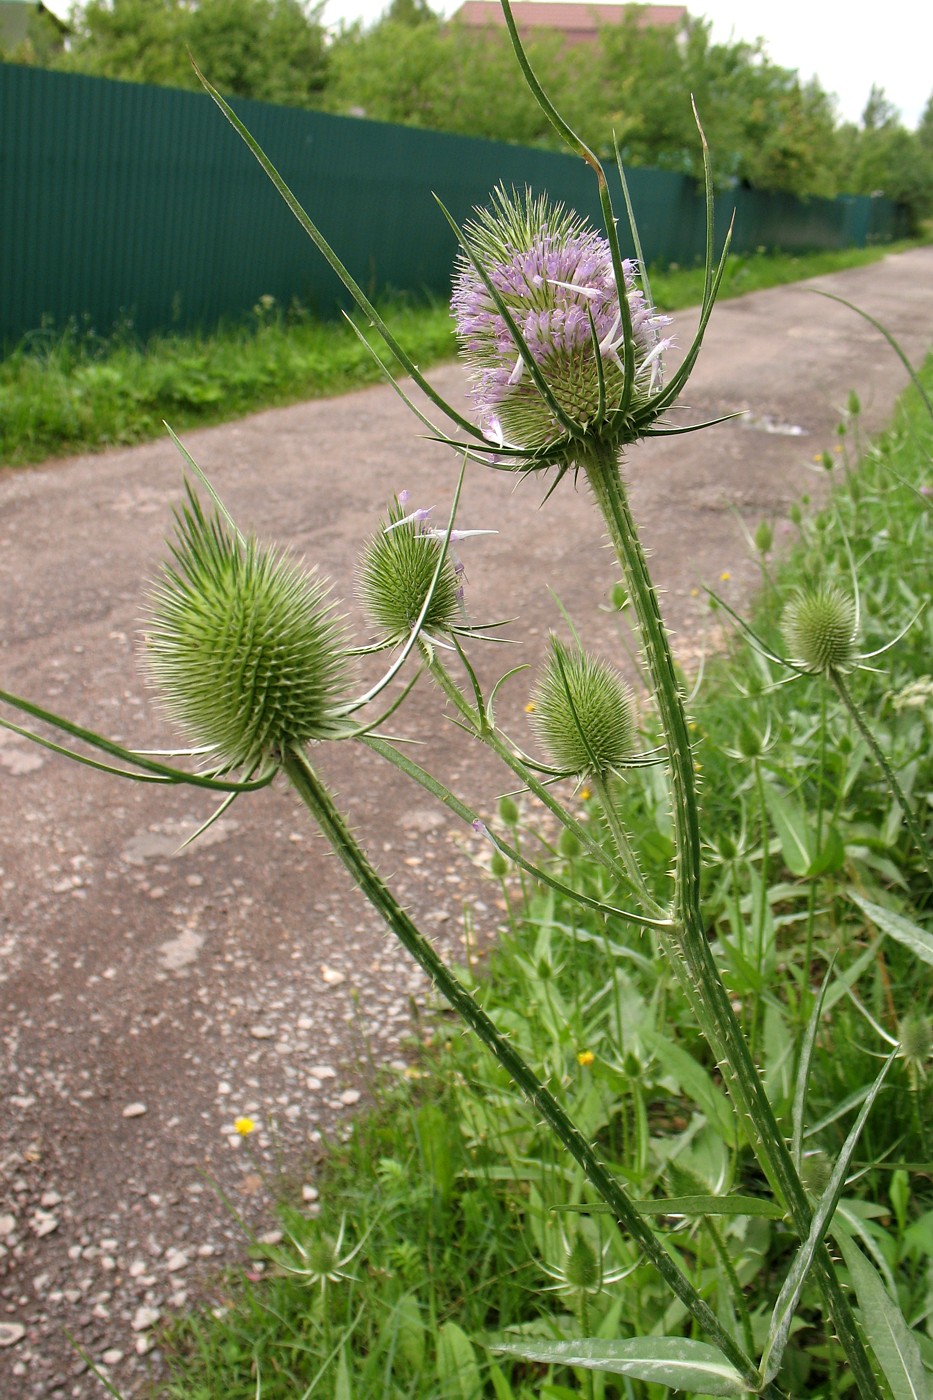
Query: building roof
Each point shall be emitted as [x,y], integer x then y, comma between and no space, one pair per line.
[579,23]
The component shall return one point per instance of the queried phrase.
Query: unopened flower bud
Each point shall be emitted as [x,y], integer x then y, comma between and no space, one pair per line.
[819,626]
[395,575]
[242,644]
[584,713]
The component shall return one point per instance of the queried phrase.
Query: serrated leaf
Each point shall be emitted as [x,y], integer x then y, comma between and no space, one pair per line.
[918,940]
[457,1368]
[896,1349]
[677,1362]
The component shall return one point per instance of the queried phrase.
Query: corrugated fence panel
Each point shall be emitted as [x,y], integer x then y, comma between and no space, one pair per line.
[121,200]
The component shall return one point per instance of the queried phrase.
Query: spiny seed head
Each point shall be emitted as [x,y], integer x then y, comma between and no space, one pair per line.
[916,1037]
[242,644]
[584,713]
[819,626]
[395,575]
[582,1266]
[555,275]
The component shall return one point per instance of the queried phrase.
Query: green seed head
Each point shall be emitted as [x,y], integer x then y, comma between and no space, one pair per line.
[242,644]
[584,713]
[582,1267]
[819,626]
[916,1036]
[395,576]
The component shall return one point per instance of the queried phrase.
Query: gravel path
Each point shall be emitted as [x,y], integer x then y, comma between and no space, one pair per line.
[147,998]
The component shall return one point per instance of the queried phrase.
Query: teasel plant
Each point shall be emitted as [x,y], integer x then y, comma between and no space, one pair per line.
[565,353]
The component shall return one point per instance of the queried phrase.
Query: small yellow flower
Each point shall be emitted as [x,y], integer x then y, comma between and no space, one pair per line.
[244,1126]
[694,593]
[530,707]
[585,794]
[725,576]
[585,1057]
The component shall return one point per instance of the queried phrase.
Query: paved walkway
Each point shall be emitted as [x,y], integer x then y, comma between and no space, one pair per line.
[147,999]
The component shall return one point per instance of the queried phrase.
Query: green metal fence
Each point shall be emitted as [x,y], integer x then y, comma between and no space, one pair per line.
[120,200]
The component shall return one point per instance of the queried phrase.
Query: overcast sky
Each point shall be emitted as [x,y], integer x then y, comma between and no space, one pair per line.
[890,44]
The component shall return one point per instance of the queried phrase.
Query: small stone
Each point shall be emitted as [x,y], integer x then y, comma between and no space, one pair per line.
[176,1259]
[50,1198]
[112,1356]
[134,1110]
[44,1224]
[11,1333]
[350,1096]
[262,1032]
[7,1225]
[309,1193]
[331,977]
[322,1071]
[144,1318]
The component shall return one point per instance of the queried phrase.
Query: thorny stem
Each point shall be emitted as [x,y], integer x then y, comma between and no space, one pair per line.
[687,945]
[318,801]
[622,843]
[923,848]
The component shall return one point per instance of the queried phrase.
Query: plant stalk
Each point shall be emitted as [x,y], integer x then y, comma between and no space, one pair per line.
[317,799]
[688,945]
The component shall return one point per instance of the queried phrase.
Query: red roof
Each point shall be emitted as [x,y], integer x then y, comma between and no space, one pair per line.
[579,23]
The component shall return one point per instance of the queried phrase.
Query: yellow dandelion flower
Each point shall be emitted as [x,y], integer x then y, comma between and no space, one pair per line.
[244,1126]
[725,576]
[585,794]
[530,707]
[585,1057]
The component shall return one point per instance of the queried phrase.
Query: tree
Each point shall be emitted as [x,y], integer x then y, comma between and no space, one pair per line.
[273,50]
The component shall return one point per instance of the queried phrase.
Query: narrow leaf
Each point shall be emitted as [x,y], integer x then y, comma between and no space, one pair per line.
[677,1362]
[895,1347]
[779,1331]
[790,823]
[918,940]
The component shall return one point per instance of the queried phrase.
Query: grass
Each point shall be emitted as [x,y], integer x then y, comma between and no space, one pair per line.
[64,392]
[447,1215]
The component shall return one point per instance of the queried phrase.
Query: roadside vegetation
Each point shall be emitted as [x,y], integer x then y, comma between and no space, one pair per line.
[448,1210]
[73,390]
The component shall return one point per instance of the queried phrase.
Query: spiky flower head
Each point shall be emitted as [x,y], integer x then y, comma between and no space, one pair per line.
[820,623]
[242,644]
[584,713]
[555,276]
[396,572]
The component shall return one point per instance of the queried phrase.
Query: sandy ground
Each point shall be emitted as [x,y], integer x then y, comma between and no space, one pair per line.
[147,998]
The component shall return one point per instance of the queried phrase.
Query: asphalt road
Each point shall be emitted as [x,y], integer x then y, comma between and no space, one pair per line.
[147,998]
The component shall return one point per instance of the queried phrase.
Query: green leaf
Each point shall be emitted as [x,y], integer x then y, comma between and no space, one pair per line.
[896,1349]
[783,1315]
[695,1082]
[457,1369]
[711,1205]
[798,846]
[344,1386]
[676,1362]
[918,940]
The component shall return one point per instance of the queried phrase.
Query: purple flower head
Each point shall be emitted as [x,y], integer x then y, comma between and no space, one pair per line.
[555,275]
